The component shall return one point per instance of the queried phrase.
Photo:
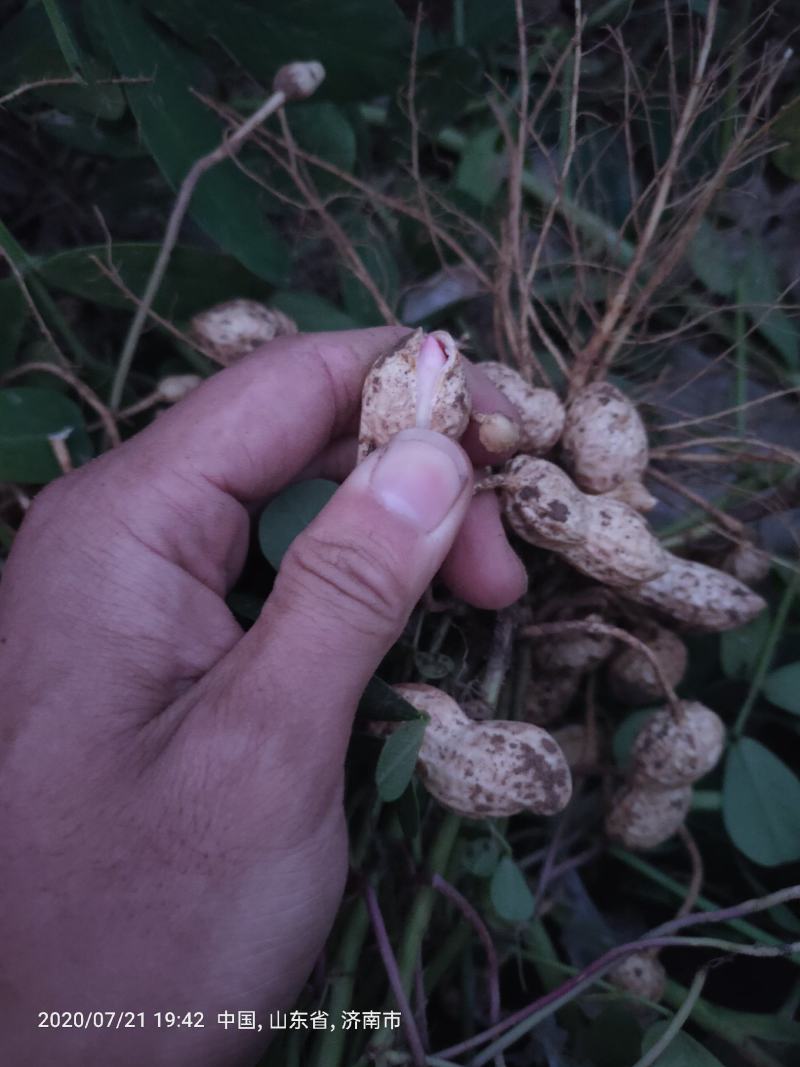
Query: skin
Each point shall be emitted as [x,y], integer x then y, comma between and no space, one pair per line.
[172,835]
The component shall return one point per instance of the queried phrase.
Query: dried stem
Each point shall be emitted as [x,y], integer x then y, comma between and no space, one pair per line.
[695,886]
[227,148]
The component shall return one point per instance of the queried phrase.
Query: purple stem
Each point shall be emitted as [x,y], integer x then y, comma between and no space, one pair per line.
[472,916]
[393,974]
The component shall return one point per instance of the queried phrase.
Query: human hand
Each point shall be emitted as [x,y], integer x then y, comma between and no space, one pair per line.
[171,788]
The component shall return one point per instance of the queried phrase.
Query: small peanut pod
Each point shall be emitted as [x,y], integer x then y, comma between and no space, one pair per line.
[236,328]
[642,974]
[631,675]
[177,386]
[604,441]
[421,382]
[672,752]
[573,652]
[699,596]
[541,413]
[487,769]
[749,564]
[643,818]
[603,538]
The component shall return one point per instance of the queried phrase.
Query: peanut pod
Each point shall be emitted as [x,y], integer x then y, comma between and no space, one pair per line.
[674,752]
[236,328]
[541,413]
[699,596]
[631,675]
[642,974]
[602,538]
[642,818]
[604,442]
[487,769]
[421,382]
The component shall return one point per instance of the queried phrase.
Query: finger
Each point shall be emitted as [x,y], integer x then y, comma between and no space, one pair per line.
[343,594]
[482,568]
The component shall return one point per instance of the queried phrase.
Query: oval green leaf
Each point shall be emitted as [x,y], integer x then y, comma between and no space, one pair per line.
[28,417]
[682,1051]
[761,804]
[381,703]
[290,512]
[782,688]
[398,759]
[178,130]
[511,897]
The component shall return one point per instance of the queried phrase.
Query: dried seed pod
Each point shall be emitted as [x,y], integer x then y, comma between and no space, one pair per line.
[299,80]
[634,494]
[496,432]
[642,974]
[541,413]
[549,696]
[177,386]
[601,537]
[749,564]
[487,769]
[631,675]
[576,652]
[604,441]
[619,550]
[238,327]
[643,818]
[700,596]
[671,752]
[581,747]
[542,504]
[420,382]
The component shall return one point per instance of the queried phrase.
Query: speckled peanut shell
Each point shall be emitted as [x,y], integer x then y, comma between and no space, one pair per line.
[672,753]
[542,505]
[573,652]
[541,413]
[604,442]
[618,549]
[642,818]
[399,395]
[630,673]
[579,747]
[549,696]
[487,769]
[238,327]
[699,596]
[642,974]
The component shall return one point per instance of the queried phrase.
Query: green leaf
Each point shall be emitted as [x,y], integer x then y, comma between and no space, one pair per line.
[480,856]
[31,53]
[362,45]
[178,130]
[195,279]
[787,128]
[86,134]
[28,416]
[408,811]
[710,259]
[759,292]
[626,733]
[782,688]
[398,759]
[383,704]
[312,312]
[761,804]
[739,649]
[682,1051]
[511,897]
[322,129]
[13,313]
[290,512]
[481,169]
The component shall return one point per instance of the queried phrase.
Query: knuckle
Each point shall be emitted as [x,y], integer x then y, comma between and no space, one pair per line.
[354,579]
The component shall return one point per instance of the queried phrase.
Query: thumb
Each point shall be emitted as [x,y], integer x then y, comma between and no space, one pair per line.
[347,585]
